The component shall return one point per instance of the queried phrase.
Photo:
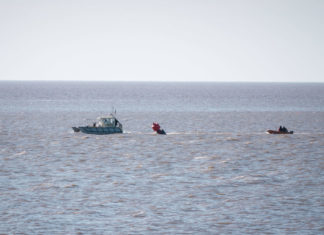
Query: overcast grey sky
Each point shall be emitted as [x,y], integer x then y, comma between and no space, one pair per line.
[162,40]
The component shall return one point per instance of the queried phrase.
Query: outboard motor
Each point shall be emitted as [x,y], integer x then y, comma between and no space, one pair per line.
[156,127]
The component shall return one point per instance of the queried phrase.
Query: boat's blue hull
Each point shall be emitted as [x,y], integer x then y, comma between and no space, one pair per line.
[98,130]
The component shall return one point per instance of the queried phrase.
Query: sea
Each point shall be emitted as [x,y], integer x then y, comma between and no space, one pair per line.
[216,171]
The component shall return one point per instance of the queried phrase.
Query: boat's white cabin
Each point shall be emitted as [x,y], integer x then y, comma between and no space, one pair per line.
[106,121]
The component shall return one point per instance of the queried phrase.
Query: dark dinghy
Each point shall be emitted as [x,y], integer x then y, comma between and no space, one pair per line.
[279,132]
[104,126]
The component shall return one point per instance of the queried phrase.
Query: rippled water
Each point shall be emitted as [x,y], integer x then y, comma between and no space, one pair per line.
[216,171]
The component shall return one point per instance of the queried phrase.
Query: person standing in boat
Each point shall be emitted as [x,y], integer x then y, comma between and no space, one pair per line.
[117,123]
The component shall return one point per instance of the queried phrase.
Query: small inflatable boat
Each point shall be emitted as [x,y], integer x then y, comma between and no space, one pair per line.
[279,132]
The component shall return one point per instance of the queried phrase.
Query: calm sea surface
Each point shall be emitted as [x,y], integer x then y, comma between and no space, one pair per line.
[216,172]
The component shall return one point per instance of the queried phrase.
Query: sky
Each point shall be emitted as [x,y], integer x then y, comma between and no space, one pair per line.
[162,40]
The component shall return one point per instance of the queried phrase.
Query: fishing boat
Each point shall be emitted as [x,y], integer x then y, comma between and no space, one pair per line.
[279,132]
[104,126]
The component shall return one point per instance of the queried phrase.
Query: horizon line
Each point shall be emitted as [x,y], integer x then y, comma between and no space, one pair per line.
[159,81]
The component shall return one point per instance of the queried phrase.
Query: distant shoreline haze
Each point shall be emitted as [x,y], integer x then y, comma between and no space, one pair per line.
[193,81]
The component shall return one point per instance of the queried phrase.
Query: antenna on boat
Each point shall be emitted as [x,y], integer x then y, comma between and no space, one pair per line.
[113,110]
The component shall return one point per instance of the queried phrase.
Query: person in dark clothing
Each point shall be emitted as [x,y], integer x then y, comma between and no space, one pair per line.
[284,129]
[118,124]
